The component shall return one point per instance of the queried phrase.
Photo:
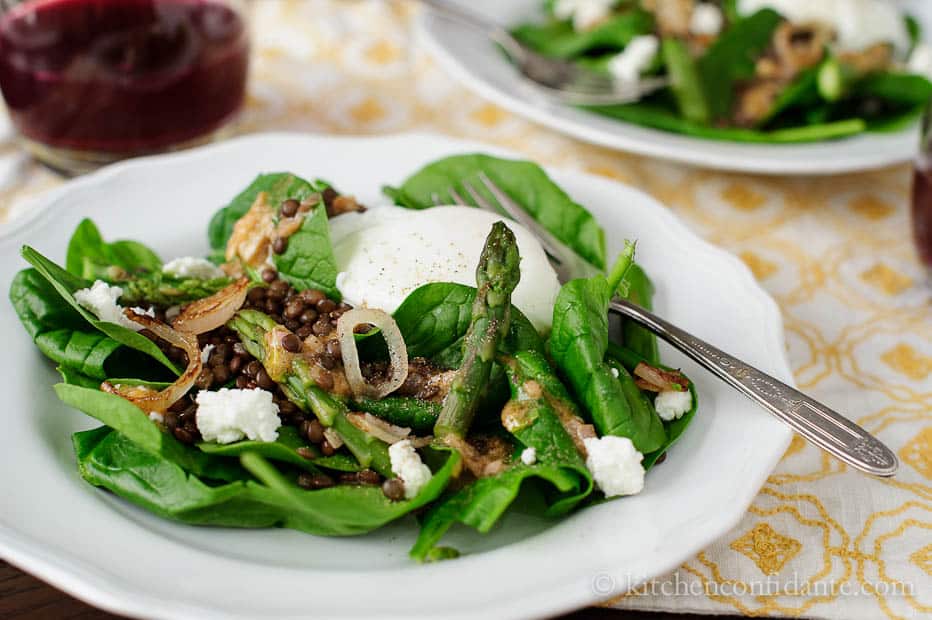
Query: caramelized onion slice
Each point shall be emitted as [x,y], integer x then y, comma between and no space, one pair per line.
[211,312]
[660,380]
[149,400]
[397,351]
[378,428]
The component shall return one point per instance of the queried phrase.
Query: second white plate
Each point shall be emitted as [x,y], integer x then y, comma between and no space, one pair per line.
[471,58]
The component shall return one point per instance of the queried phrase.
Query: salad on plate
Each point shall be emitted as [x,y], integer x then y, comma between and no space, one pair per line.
[772,71]
[331,368]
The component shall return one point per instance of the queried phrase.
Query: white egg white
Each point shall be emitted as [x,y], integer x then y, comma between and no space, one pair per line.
[387,252]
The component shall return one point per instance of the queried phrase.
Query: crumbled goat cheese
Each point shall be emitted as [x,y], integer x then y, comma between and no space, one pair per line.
[149,312]
[156,417]
[407,465]
[228,415]
[672,404]
[529,456]
[205,353]
[615,465]
[634,59]
[920,61]
[615,372]
[101,300]
[706,20]
[192,267]
[585,13]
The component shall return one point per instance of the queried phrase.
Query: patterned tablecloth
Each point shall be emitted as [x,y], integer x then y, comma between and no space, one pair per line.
[835,253]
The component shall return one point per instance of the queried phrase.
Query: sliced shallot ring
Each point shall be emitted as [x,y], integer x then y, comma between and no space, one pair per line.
[378,428]
[662,379]
[211,312]
[397,351]
[149,400]
[333,438]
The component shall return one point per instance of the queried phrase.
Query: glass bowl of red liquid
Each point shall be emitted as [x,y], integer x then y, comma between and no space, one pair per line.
[88,82]
[922,196]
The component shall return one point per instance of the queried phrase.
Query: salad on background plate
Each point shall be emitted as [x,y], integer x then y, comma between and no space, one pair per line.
[331,368]
[769,71]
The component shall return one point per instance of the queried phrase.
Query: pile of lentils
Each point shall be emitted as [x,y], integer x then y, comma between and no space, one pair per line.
[231,365]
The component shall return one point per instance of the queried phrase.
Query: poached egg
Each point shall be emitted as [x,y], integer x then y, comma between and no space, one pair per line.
[387,252]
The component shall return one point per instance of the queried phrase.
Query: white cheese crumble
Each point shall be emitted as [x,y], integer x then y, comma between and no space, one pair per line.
[192,267]
[920,61]
[672,404]
[407,465]
[634,59]
[706,20]
[615,372]
[585,14]
[615,465]
[529,456]
[229,415]
[101,300]
[149,312]
[205,353]
[156,417]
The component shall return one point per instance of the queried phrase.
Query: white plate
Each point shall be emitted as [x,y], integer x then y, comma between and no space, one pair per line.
[468,55]
[114,555]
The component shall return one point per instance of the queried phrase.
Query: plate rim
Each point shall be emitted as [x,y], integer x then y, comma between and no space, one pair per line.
[82,579]
[690,152]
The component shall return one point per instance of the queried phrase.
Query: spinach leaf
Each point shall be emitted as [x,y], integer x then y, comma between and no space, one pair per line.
[110,460]
[40,307]
[533,420]
[901,88]
[578,344]
[733,57]
[523,181]
[85,352]
[559,39]
[636,337]
[278,186]
[88,253]
[284,449]
[65,284]
[308,262]
[628,359]
[133,423]
[434,319]
[659,116]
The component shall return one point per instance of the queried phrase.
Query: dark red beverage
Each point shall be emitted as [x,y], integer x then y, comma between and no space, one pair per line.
[922,213]
[122,77]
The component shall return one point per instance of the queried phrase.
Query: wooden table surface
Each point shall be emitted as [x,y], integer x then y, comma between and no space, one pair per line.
[24,597]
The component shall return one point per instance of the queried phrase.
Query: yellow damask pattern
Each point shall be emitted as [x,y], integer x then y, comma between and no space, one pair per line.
[834,252]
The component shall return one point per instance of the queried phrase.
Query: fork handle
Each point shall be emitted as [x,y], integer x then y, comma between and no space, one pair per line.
[825,428]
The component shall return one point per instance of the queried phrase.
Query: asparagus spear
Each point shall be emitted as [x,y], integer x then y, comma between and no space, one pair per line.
[168,291]
[298,384]
[419,415]
[496,277]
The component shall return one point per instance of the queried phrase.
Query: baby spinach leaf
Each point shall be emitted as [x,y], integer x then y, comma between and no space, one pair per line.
[284,449]
[308,262]
[40,307]
[685,82]
[434,319]
[279,187]
[85,352]
[88,252]
[130,421]
[66,283]
[110,460]
[629,359]
[733,58]
[533,420]
[578,344]
[561,40]
[901,88]
[523,181]
[636,337]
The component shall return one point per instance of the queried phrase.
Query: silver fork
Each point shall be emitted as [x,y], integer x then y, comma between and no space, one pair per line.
[561,80]
[822,426]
